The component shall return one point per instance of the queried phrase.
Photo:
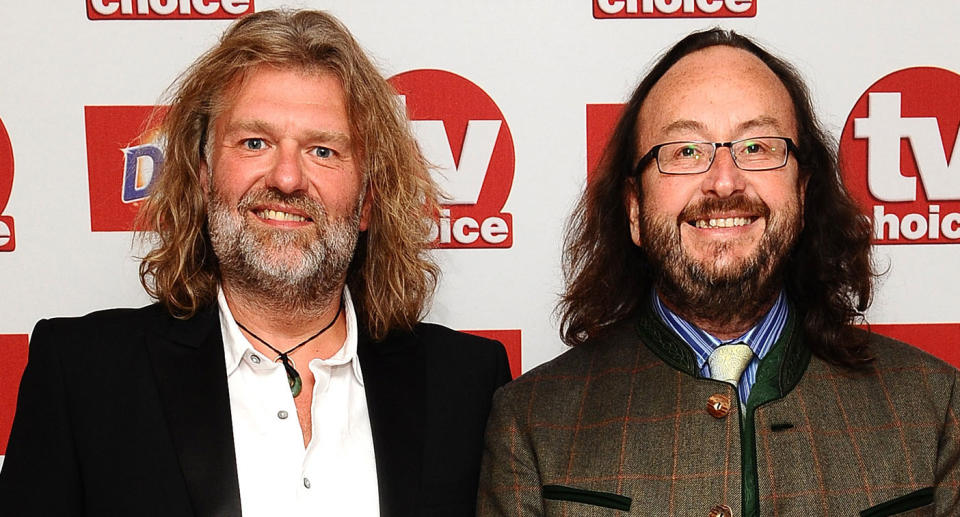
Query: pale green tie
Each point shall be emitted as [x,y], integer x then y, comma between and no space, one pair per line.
[727,362]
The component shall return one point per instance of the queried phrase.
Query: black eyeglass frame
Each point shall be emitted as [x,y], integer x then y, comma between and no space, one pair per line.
[655,150]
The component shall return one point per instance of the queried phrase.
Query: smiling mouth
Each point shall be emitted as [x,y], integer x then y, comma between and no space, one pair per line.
[722,222]
[279,215]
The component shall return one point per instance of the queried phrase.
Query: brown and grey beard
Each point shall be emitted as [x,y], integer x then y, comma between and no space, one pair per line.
[704,291]
[294,271]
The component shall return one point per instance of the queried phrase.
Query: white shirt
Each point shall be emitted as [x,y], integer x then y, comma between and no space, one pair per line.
[336,473]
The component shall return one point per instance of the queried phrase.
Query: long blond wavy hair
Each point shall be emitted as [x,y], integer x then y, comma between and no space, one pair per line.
[391,276]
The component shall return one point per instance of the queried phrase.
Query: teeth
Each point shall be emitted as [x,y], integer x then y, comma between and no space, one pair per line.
[280,216]
[728,222]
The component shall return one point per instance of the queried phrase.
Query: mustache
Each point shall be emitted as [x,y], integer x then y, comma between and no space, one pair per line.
[738,203]
[299,200]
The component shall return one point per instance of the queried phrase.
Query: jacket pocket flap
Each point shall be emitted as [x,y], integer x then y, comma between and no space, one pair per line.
[579,495]
[911,501]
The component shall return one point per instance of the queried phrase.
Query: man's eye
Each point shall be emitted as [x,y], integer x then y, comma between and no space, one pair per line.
[253,144]
[323,152]
[753,148]
[689,152]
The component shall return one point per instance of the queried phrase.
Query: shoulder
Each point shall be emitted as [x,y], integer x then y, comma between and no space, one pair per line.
[890,353]
[103,320]
[434,333]
[440,341]
[104,331]
[445,353]
[899,374]
[110,317]
[564,378]
[619,345]
[887,349]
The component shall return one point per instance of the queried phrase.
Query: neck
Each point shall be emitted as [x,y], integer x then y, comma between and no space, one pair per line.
[730,327]
[284,327]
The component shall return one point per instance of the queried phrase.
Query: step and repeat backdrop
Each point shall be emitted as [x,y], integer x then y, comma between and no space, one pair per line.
[513,102]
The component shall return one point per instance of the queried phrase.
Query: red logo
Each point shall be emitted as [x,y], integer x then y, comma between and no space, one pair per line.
[674,8]
[464,136]
[901,157]
[13,348]
[8,240]
[510,340]
[123,158]
[168,9]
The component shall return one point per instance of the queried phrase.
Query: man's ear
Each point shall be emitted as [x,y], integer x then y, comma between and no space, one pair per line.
[633,210]
[365,209]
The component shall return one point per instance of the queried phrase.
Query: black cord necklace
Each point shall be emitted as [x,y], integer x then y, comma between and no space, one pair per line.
[293,376]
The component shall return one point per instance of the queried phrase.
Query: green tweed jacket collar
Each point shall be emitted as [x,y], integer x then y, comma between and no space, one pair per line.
[781,369]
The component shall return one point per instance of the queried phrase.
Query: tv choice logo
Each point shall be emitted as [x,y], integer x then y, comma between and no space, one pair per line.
[8,241]
[168,9]
[123,158]
[464,135]
[674,8]
[901,156]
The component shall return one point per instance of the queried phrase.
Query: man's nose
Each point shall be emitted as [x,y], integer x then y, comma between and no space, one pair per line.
[724,178]
[287,173]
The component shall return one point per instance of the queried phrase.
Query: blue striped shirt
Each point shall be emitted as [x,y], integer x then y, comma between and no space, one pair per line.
[760,338]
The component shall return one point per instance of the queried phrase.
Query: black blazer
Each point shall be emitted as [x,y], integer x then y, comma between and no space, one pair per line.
[126,412]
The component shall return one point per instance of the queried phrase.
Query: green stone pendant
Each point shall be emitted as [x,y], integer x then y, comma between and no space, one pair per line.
[293,377]
[295,383]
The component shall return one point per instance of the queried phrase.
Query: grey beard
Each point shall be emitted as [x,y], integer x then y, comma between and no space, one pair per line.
[738,293]
[282,270]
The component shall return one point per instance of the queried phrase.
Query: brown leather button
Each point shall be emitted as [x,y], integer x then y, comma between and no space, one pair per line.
[721,510]
[718,405]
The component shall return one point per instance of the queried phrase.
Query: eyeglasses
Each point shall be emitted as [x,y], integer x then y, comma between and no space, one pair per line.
[750,154]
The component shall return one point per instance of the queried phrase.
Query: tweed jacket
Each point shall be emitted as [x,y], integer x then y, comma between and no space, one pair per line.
[622,425]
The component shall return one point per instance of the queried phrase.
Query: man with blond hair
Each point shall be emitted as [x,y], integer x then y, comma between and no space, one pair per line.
[284,370]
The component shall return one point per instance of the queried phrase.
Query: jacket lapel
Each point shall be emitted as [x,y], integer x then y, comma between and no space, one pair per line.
[188,362]
[394,381]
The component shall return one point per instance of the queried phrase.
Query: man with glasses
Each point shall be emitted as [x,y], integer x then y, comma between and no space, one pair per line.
[715,269]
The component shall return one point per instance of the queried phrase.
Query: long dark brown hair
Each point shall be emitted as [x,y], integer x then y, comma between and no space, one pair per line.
[391,277]
[828,275]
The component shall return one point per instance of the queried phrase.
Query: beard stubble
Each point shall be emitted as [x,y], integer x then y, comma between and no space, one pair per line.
[291,270]
[739,291]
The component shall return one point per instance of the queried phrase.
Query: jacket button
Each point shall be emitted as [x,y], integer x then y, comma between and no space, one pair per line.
[721,510]
[718,405]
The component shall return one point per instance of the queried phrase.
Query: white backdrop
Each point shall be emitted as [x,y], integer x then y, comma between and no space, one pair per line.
[541,62]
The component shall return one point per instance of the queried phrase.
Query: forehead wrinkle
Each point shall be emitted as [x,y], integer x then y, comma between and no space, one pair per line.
[761,122]
[253,126]
[262,126]
[682,126]
[322,135]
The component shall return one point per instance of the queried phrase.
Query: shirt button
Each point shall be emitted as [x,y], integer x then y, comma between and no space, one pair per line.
[718,405]
[306,483]
[721,510]
[254,358]
[282,415]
